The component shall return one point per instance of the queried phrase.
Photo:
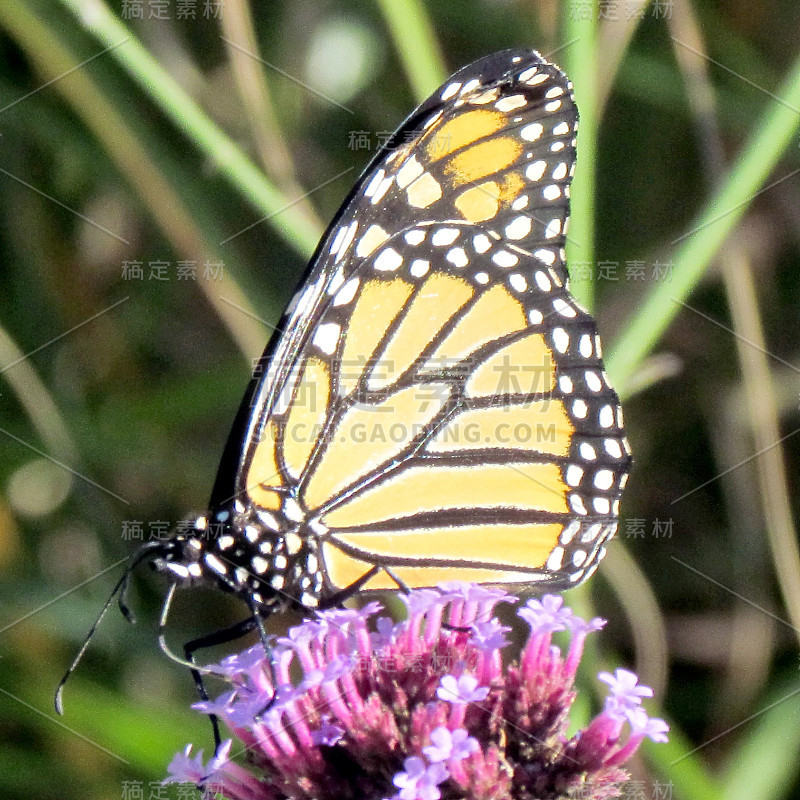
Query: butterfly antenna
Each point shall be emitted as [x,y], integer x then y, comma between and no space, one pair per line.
[122,596]
[79,655]
[119,589]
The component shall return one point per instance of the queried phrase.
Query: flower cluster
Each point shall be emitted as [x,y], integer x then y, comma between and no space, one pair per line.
[421,710]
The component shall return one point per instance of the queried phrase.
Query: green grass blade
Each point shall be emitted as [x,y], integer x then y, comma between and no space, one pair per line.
[176,103]
[764,766]
[770,138]
[684,774]
[192,233]
[416,43]
[579,62]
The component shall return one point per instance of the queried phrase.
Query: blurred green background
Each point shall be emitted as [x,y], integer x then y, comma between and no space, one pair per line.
[166,167]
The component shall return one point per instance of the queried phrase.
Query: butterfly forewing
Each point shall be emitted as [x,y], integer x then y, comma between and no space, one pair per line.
[436,404]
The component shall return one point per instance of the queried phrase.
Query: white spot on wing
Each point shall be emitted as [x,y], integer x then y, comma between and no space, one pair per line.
[604,479]
[505,259]
[337,240]
[553,228]
[606,417]
[481,243]
[601,505]
[530,133]
[179,569]
[551,192]
[542,281]
[569,532]
[573,475]
[411,170]
[450,90]
[292,510]
[373,184]
[587,451]
[519,228]
[593,381]
[381,189]
[576,504]
[419,267]
[457,257]
[215,564]
[560,340]
[444,237]
[555,559]
[563,308]
[518,282]
[389,260]
[536,79]
[346,241]
[535,171]
[346,293]
[336,281]
[520,202]
[326,337]
[510,103]
[592,532]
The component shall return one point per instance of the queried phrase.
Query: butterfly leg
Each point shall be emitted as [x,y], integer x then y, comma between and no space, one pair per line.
[339,597]
[222,636]
[401,584]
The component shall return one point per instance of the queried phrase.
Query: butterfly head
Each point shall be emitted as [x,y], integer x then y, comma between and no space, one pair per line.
[269,568]
[180,557]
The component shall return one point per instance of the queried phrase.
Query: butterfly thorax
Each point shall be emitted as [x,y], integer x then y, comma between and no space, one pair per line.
[265,558]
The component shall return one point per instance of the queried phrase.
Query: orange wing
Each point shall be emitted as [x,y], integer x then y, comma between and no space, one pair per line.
[437,405]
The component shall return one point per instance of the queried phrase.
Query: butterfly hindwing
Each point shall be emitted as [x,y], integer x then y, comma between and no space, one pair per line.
[448,420]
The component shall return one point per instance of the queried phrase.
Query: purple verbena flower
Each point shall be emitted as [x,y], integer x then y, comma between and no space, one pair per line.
[461,690]
[626,693]
[218,775]
[420,781]
[490,635]
[328,733]
[456,745]
[350,705]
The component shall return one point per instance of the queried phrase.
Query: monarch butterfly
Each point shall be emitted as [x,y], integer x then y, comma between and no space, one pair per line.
[433,406]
